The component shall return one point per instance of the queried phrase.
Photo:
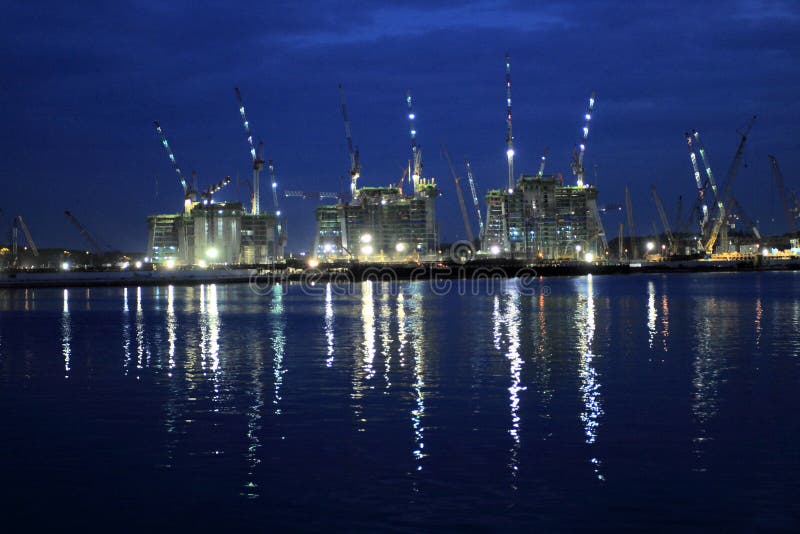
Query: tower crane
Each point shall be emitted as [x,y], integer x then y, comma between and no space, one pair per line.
[210,190]
[278,220]
[542,163]
[256,155]
[96,248]
[189,194]
[700,203]
[787,208]
[475,199]
[631,229]
[720,218]
[460,195]
[20,223]
[509,130]
[580,149]
[416,150]
[355,165]
[673,246]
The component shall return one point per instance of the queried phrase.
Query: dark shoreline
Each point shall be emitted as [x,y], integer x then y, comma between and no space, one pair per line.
[377,272]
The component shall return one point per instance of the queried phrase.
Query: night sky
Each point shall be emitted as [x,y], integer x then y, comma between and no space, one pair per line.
[81,85]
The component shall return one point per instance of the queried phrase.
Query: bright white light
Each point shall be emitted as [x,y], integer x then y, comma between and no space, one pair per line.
[278,213]
[589,257]
[147,259]
[313,263]
[411,116]
[765,253]
[202,264]
[510,191]
[494,249]
[366,250]
[170,264]
[510,152]
[125,265]
[65,266]
[577,248]
[138,264]
[400,247]
[650,245]
[366,238]
[588,117]
[327,248]
[274,185]
[212,253]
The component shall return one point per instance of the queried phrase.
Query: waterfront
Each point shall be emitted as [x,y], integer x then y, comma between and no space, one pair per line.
[575,402]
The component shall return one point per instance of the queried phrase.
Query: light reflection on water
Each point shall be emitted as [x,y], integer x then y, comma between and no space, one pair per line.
[211,358]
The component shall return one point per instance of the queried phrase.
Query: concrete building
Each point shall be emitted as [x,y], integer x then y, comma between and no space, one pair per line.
[213,233]
[380,224]
[543,219]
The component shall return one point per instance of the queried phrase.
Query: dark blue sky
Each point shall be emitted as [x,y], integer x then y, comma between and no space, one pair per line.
[81,85]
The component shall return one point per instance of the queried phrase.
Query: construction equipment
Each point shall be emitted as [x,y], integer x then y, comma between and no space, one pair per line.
[787,207]
[475,199]
[416,150]
[314,195]
[96,247]
[460,195]
[673,245]
[355,166]
[620,241]
[631,229]
[280,226]
[700,203]
[256,155]
[509,131]
[720,218]
[542,162]
[189,193]
[20,223]
[580,149]
[212,189]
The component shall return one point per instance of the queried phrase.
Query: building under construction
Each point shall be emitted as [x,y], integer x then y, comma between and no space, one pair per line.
[380,224]
[543,219]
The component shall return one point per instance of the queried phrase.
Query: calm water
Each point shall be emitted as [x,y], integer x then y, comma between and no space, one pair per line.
[597,402]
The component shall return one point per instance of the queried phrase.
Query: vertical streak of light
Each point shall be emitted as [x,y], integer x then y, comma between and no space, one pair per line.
[706,378]
[665,321]
[401,329]
[418,411]
[126,332]
[651,312]
[497,323]
[590,384]
[513,324]
[66,335]
[368,323]
[209,337]
[140,348]
[386,337]
[329,335]
[759,315]
[278,344]
[171,327]
[254,425]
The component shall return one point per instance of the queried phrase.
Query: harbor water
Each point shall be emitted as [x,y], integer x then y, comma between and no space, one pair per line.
[591,402]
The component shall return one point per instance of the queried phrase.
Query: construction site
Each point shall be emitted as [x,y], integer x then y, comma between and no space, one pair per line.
[534,218]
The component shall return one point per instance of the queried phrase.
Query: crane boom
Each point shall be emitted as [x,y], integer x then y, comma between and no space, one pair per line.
[631,229]
[580,149]
[28,237]
[96,248]
[700,203]
[416,151]
[460,195]
[355,166]
[720,219]
[258,160]
[787,208]
[509,130]
[475,198]
[188,191]
[543,162]
[664,221]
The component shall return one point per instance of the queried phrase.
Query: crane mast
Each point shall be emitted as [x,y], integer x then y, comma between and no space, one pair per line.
[278,220]
[475,199]
[258,160]
[355,166]
[188,191]
[460,195]
[509,130]
[664,221]
[543,162]
[19,223]
[787,208]
[580,150]
[700,204]
[416,150]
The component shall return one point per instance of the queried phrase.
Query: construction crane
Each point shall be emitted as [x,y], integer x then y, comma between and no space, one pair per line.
[700,203]
[416,150]
[673,245]
[355,166]
[631,229]
[20,223]
[509,130]
[542,162]
[580,149]
[314,195]
[720,217]
[620,241]
[475,198]
[189,194]
[212,189]
[96,247]
[256,155]
[460,195]
[787,208]
[278,220]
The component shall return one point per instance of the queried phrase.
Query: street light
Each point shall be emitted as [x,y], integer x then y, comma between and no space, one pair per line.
[649,246]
